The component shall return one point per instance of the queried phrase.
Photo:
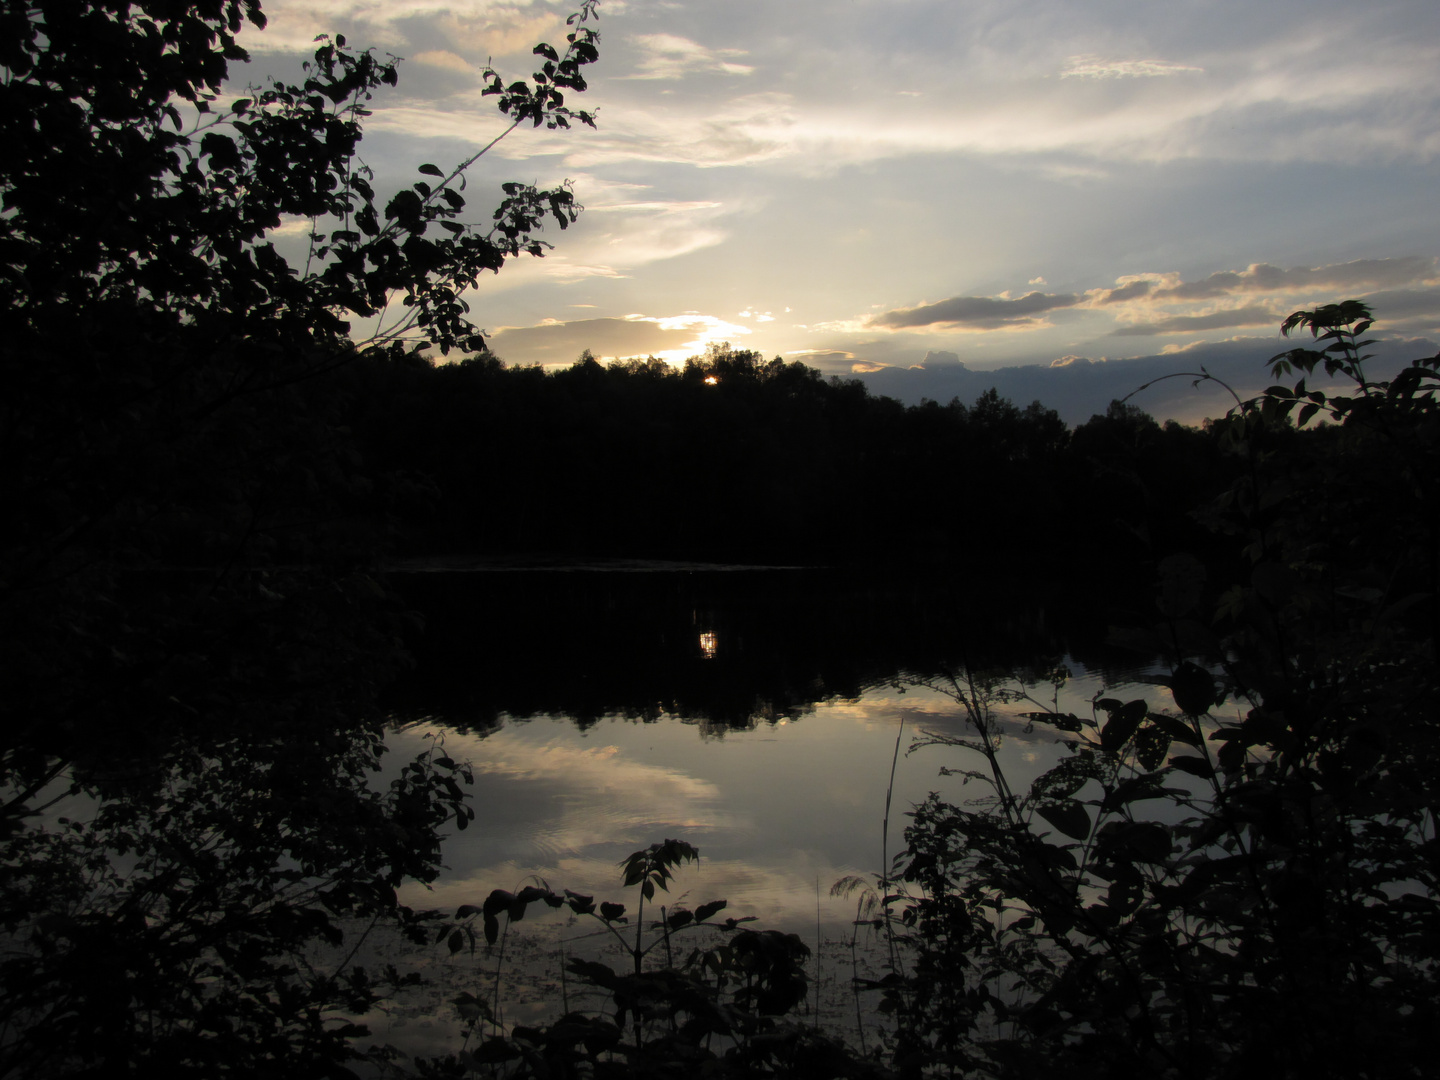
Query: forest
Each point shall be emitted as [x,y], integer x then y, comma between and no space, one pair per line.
[208,469]
[736,458]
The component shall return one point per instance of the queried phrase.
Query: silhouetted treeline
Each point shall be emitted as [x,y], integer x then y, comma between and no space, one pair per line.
[735,458]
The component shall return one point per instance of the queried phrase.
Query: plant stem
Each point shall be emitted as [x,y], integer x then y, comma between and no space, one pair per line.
[885,845]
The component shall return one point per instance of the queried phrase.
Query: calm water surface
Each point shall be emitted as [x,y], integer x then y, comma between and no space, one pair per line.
[755,715]
[779,811]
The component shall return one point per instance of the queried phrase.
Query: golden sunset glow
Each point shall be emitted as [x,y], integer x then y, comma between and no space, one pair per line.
[1101,187]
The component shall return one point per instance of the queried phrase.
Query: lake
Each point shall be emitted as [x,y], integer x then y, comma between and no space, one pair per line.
[755,714]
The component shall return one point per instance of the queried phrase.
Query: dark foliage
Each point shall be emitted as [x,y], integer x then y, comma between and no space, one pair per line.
[1221,890]
[735,458]
[191,637]
[721,1010]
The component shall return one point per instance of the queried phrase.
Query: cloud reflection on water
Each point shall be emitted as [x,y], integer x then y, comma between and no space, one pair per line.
[779,813]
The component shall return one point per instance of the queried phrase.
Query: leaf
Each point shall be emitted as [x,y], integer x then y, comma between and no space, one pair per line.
[457,942]
[611,912]
[1193,765]
[1148,839]
[1193,688]
[1135,789]
[1066,778]
[405,206]
[1152,744]
[1122,724]
[499,900]
[1177,729]
[1124,896]
[432,170]
[1069,817]
[1058,858]
[704,911]
[592,971]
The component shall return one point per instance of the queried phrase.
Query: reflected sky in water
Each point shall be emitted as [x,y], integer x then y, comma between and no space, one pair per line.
[776,811]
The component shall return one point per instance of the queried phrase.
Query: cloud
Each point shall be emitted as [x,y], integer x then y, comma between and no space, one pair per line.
[482,28]
[893,340]
[1083,387]
[568,781]
[599,767]
[1354,276]
[1253,315]
[1132,290]
[619,232]
[486,30]
[1174,348]
[1092,67]
[981,312]
[1263,277]
[634,233]
[1405,302]
[668,337]
[1408,309]
[818,357]
[567,271]
[1245,99]
[443,58]
[292,226]
[745,130]
[562,342]
[667,56]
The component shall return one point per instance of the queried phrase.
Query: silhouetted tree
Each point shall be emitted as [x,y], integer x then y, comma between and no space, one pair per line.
[191,639]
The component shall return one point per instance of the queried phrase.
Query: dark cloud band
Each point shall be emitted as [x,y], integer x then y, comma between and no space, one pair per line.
[1184,324]
[1264,277]
[985,312]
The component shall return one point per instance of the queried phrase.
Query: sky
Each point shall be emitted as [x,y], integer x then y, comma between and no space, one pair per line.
[1065,199]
